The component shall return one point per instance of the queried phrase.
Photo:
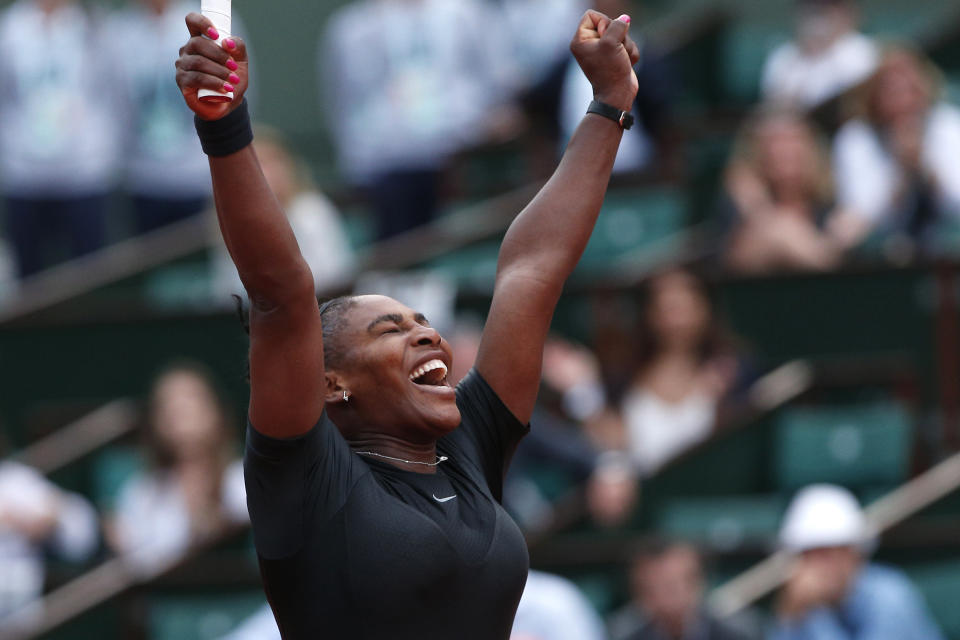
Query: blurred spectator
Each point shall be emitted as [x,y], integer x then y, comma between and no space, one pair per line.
[37,516]
[537,54]
[896,162]
[539,58]
[666,590]
[316,222]
[553,608]
[166,172]
[685,368]
[410,83]
[58,130]
[833,593]
[571,394]
[641,144]
[779,197]
[259,626]
[826,57]
[194,485]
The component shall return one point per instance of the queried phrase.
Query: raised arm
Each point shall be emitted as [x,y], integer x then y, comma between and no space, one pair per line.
[286,341]
[545,242]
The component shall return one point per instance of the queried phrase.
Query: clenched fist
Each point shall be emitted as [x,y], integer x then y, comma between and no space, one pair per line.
[204,64]
[607,54]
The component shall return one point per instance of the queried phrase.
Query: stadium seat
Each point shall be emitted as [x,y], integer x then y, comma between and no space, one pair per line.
[747,45]
[632,219]
[112,468]
[200,616]
[473,267]
[182,284]
[940,585]
[359,224]
[856,446]
[901,19]
[722,523]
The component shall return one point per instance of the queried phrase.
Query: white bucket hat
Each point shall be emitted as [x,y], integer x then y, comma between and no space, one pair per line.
[824,515]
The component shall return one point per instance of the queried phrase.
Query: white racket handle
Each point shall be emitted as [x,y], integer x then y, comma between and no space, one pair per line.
[218,12]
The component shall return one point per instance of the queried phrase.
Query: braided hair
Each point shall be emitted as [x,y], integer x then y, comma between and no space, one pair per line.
[333,313]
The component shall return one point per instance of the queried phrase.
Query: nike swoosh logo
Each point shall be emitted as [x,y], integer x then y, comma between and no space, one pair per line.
[443,499]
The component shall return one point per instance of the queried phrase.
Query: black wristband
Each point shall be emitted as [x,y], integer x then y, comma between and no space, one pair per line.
[622,118]
[227,135]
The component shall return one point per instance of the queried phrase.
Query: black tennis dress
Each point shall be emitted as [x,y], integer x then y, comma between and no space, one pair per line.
[353,548]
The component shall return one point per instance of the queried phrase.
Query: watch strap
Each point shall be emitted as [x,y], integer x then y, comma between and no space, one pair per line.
[622,118]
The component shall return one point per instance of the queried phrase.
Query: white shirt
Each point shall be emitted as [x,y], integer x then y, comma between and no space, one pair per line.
[59,133]
[25,492]
[322,239]
[553,608]
[658,430]
[409,82]
[153,520]
[791,75]
[868,175]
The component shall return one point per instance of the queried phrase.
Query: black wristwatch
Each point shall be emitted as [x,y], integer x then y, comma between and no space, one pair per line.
[622,118]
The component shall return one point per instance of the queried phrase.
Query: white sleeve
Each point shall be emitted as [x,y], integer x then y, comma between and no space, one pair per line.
[77,531]
[234,493]
[863,172]
[940,157]
[129,516]
[30,494]
[553,607]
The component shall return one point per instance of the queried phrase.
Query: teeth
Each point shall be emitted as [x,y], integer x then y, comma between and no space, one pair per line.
[428,366]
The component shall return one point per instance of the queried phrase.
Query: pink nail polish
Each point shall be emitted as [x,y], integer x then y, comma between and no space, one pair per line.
[229,44]
[624,18]
[234,78]
[227,87]
[231,65]
[214,35]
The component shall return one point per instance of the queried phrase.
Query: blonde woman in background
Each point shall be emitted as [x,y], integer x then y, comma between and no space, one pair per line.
[896,162]
[779,197]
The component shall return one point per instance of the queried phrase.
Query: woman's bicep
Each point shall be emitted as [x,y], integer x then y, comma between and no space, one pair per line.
[286,368]
[510,357]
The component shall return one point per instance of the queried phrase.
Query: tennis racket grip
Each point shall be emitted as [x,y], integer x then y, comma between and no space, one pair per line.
[218,12]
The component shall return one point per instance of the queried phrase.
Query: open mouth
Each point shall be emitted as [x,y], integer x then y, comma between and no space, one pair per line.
[432,374]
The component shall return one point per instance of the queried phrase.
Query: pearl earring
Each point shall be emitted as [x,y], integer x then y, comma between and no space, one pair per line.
[346,396]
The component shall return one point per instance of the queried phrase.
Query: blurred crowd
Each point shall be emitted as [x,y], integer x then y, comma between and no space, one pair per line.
[604,426]
[850,150]
[184,488]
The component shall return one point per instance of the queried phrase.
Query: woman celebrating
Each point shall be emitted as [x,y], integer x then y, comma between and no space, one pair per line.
[384,521]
